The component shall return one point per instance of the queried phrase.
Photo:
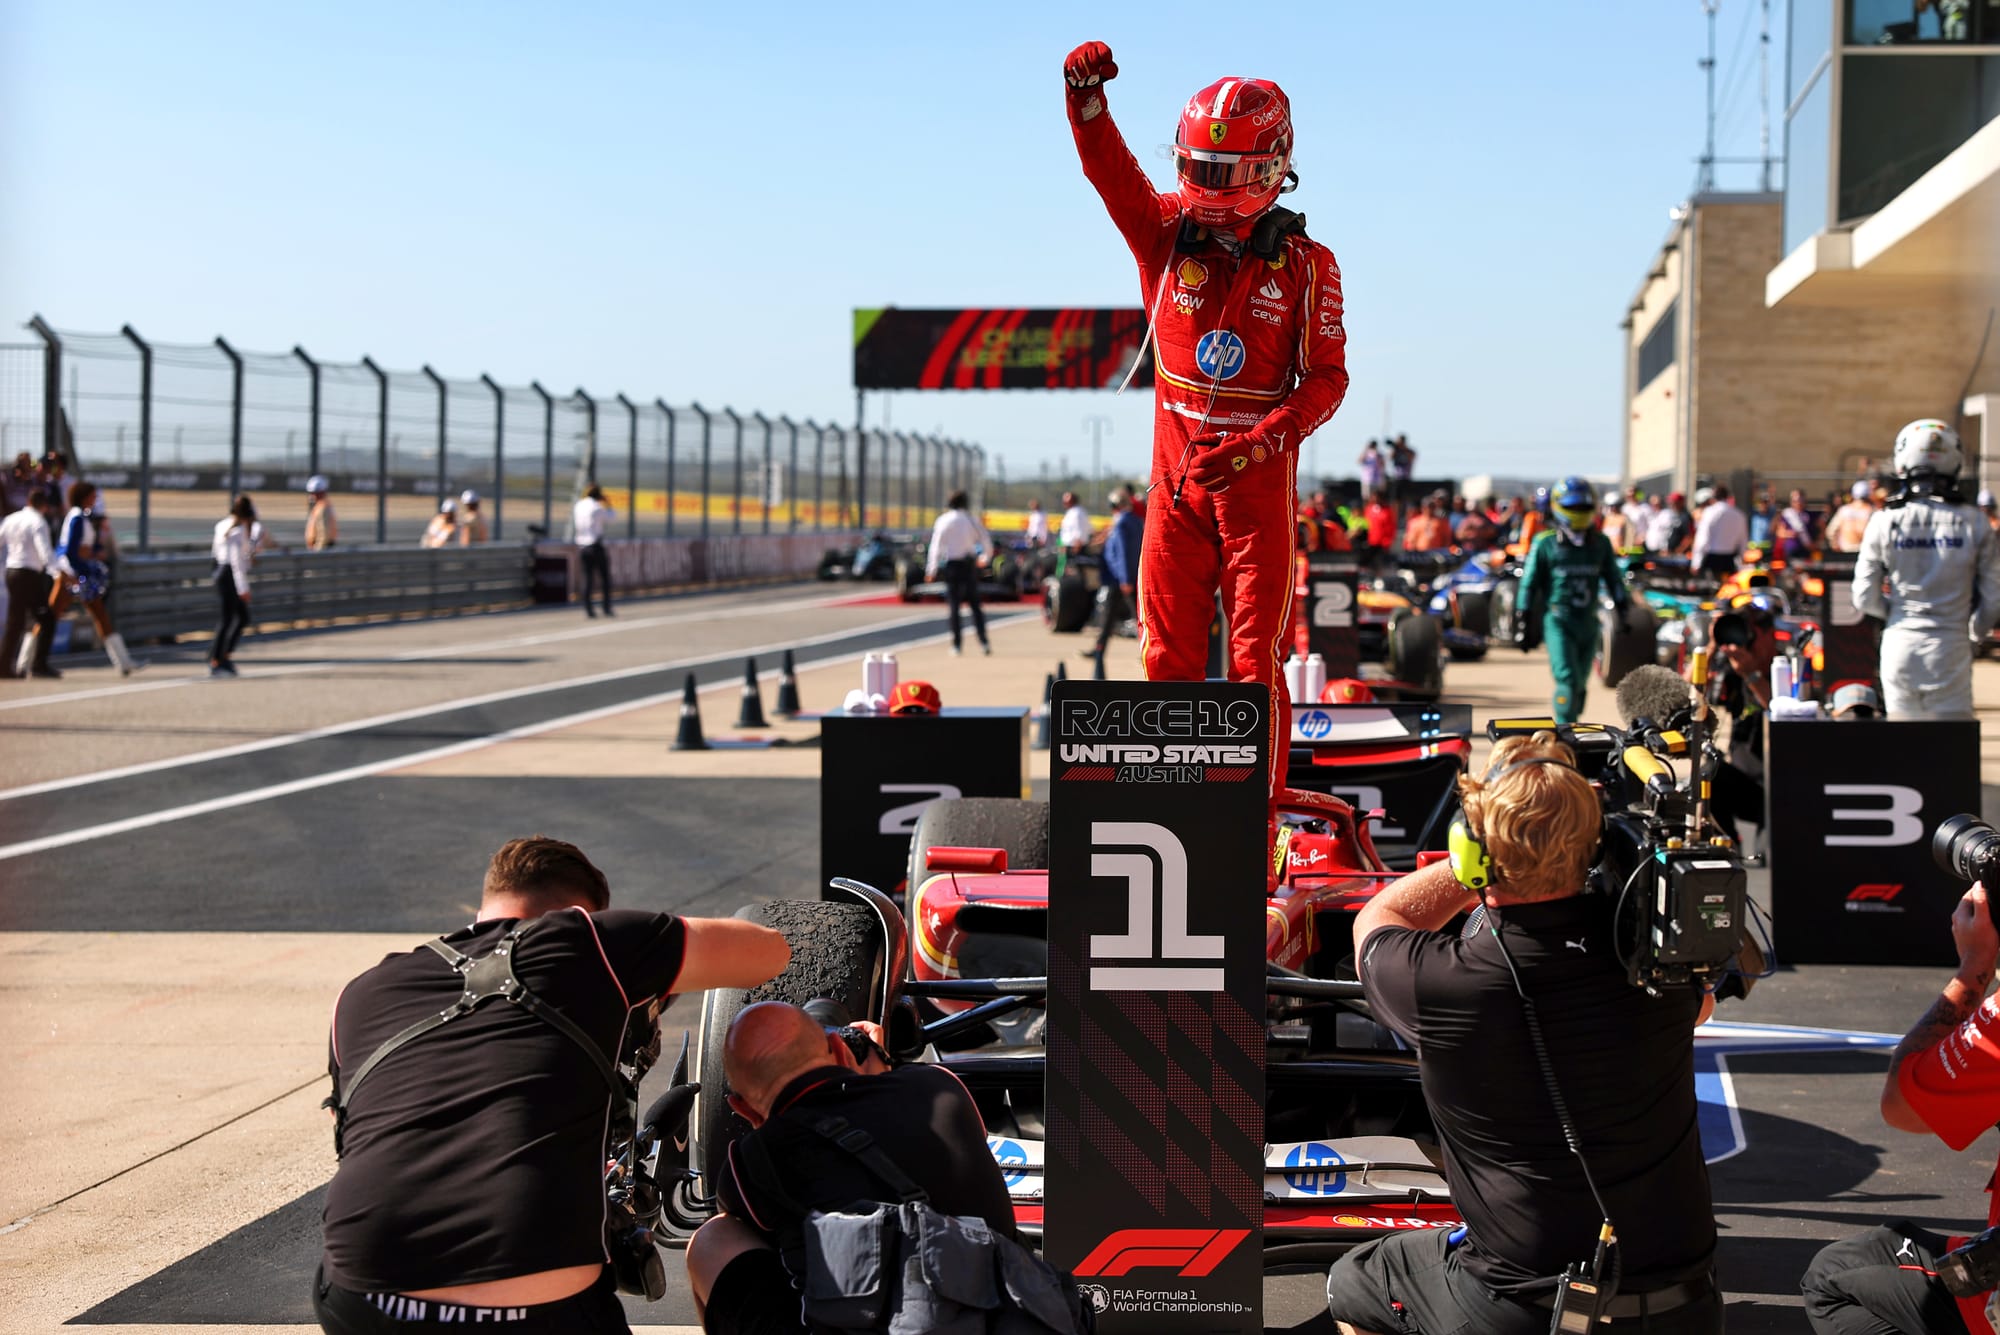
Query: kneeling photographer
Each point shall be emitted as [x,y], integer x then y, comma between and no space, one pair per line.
[1562,1094]
[476,1093]
[845,1152]
[1944,1080]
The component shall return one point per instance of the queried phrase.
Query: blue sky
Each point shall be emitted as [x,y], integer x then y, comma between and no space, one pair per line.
[687,200]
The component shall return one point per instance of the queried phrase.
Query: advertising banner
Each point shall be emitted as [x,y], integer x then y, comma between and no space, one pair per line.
[1852,808]
[1070,348]
[1155,1085]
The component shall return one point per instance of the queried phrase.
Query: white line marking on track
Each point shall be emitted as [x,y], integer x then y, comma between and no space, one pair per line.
[374,767]
[424,711]
[612,626]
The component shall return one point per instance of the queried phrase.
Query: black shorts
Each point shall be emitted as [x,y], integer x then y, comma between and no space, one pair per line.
[343,1312]
[754,1296]
[1412,1282]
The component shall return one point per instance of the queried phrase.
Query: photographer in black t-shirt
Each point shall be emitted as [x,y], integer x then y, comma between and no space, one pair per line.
[1622,1059]
[471,1178]
[786,1069]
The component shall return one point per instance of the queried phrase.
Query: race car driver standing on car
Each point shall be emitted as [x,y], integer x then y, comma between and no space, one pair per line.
[1930,567]
[1559,590]
[1250,359]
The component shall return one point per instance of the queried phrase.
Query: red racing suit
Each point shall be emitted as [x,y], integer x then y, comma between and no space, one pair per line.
[1241,344]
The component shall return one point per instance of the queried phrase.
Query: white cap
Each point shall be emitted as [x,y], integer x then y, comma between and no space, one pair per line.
[855,703]
[447,506]
[1985,499]
[1859,491]
[468,497]
[878,702]
[318,483]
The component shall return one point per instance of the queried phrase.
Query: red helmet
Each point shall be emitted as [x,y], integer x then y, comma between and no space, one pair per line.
[1232,151]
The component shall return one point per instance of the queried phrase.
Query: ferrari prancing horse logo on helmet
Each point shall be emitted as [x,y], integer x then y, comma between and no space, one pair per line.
[1216,131]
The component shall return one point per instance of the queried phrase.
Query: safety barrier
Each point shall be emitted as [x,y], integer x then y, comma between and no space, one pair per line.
[165,596]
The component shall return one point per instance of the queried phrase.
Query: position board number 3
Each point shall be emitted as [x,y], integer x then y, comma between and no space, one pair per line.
[1892,821]
[1153,865]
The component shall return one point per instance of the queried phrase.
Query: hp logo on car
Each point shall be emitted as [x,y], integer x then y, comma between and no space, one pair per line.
[1219,354]
[1013,1160]
[1313,724]
[1318,1170]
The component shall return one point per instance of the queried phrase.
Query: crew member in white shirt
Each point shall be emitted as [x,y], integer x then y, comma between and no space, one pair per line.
[958,548]
[1038,525]
[30,553]
[1074,534]
[234,547]
[1720,535]
[590,518]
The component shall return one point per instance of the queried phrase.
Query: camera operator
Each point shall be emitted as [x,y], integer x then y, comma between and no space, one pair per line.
[1944,1079]
[1746,644]
[789,1075]
[1929,568]
[471,1178]
[1621,1056]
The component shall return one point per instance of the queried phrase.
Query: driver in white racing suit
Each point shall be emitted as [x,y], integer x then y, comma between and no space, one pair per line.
[1930,568]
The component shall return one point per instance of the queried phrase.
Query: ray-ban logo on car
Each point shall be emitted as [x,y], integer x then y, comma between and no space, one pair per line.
[1156,952]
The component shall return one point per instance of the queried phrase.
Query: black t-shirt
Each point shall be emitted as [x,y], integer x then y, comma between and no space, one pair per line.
[921,1116]
[1623,1060]
[476,1151]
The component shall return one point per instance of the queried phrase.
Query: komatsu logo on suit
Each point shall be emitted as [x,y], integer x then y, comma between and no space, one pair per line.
[1160,741]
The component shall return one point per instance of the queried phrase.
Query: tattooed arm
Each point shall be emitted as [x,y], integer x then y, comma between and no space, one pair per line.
[1978,945]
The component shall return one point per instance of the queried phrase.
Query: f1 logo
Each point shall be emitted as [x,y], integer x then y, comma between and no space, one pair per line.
[903,819]
[1191,1252]
[1898,814]
[1167,969]
[1880,890]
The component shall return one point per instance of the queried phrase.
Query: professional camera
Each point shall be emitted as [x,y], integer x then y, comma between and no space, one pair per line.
[633,1200]
[1974,1267]
[1968,848]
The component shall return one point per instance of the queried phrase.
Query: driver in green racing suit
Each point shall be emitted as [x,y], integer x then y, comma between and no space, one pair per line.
[1559,592]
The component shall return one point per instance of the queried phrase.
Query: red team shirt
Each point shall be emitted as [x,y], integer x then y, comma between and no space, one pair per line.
[1955,1088]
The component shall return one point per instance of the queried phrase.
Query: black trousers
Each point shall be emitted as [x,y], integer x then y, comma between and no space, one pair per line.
[596,570]
[1116,609]
[27,600]
[342,1312]
[1881,1282]
[1737,797]
[961,585]
[235,617]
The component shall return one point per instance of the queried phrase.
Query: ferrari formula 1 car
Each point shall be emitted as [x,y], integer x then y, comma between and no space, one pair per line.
[957,975]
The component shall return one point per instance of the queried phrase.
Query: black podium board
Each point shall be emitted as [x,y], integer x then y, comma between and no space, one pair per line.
[878,772]
[1852,806]
[1155,1080]
[1333,581]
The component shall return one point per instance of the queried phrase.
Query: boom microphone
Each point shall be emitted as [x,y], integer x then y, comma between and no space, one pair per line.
[1653,692]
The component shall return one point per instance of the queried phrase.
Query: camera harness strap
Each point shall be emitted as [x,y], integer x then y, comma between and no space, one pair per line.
[486,977]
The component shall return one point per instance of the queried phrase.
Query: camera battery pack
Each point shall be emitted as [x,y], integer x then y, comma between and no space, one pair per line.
[1698,907]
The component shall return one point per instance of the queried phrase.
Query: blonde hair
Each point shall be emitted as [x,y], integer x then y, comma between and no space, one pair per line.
[1539,822]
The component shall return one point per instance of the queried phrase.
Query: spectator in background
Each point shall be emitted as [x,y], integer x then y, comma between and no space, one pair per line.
[1796,530]
[322,527]
[1402,467]
[235,551]
[30,557]
[443,529]
[1121,570]
[958,547]
[53,474]
[1456,516]
[1372,468]
[1850,521]
[1720,535]
[20,482]
[1038,525]
[471,523]
[84,545]
[1986,508]
[588,520]
[1477,533]
[1427,530]
[1381,518]
[1075,533]
[1671,528]
[1639,514]
[1616,527]
[1763,522]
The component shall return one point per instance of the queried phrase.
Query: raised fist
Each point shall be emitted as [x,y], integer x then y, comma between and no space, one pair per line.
[1089,65]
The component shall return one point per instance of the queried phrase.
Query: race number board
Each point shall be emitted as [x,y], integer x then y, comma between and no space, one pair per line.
[877,773]
[1155,1084]
[1333,630]
[1852,808]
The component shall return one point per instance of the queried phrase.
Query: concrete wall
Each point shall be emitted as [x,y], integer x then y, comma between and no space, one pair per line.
[1653,432]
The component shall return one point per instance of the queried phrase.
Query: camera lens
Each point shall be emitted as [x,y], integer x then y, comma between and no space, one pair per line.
[1967,847]
[1731,628]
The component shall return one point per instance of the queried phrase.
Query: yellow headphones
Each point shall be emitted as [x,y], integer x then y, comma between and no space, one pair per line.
[1471,864]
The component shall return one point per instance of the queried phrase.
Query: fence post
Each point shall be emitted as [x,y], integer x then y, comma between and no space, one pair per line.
[499,448]
[51,389]
[819,473]
[312,424]
[736,500]
[764,492]
[548,454]
[235,415]
[590,436]
[705,425]
[442,474]
[661,403]
[631,467]
[381,449]
[860,464]
[979,476]
[792,478]
[145,433]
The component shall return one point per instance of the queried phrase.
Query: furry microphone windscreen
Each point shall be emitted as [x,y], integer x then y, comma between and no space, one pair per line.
[1652,692]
